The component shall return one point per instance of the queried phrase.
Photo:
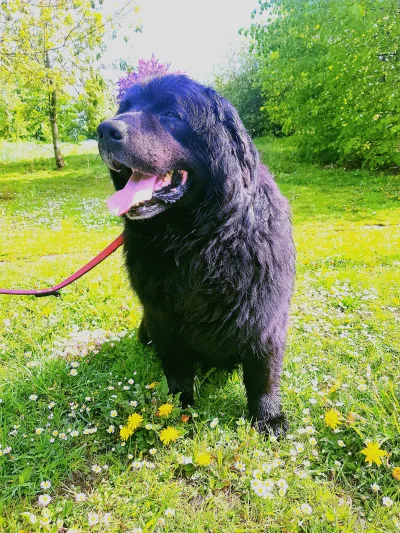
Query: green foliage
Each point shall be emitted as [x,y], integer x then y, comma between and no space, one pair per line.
[330,75]
[239,83]
[47,55]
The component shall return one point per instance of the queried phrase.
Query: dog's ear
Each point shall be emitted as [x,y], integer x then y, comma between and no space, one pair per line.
[242,146]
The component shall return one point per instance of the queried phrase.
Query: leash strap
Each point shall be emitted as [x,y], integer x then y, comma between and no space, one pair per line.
[54,291]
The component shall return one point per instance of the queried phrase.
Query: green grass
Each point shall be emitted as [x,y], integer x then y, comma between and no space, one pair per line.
[342,354]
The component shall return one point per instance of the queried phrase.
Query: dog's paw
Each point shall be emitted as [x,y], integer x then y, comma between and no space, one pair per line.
[142,335]
[186,399]
[277,426]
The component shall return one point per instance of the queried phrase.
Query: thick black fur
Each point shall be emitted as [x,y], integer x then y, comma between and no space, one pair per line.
[214,270]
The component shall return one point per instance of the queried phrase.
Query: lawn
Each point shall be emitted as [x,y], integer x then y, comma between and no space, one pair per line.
[72,371]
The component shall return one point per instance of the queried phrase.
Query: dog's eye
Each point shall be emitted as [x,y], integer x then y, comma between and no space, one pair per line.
[171,114]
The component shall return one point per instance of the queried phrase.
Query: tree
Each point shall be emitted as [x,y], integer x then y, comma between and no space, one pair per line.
[50,46]
[238,81]
[330,76]
[144,69]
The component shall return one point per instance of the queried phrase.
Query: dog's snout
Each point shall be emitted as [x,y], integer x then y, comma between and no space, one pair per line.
[112,130]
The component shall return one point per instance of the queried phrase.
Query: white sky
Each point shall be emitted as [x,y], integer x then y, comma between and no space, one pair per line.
[192,35]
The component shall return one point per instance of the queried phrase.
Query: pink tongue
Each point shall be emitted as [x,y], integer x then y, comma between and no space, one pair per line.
[136,190]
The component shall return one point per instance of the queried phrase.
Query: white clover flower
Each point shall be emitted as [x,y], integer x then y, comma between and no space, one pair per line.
[80,497]
[387,502]
[33,397]
[45,484]
[44,500]
[93,519]
[169,512]
[375,487]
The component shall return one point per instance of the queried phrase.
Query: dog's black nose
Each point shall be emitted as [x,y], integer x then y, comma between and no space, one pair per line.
[112,130]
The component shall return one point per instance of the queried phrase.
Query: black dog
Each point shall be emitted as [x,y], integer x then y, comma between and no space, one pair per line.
[208,240]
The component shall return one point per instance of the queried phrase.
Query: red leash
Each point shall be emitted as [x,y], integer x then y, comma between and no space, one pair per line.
[54,291]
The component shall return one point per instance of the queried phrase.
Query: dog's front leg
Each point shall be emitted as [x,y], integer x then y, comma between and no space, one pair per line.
[261,378]
[179,371]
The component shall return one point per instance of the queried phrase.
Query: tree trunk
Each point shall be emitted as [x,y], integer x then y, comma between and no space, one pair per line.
[54,128]
[53,114]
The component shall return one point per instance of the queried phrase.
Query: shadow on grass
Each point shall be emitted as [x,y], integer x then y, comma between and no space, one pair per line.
[45,445]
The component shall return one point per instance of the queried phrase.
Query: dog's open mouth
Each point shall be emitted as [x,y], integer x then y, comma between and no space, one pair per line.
[144,190]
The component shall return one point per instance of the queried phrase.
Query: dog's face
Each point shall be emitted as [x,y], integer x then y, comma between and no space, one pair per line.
[165,145]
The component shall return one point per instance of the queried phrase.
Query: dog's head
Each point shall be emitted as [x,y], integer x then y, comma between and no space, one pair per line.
[174,142]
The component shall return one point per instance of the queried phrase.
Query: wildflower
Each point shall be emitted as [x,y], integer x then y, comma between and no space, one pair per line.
[44,500]
[241,422]
[74,433]
[396,473]
[96,469]
[134,421]
[133,403]
[375,487]
[168,435]
[387,502]
[73,372]
[80,497]
[30,517]
[299,447]
[258,453]
[93,519]
[149,427]
[113,413]
[45,521]
[203,459]
[305,509]
[257,474]
[39,431]
[151,385]
[137,530]
[137,465]
[214,423]
[239,465]
[110,429]
[152,451]
[33,397]
[185,418]
[313,441]
[60,524]
[125,433]
[259,489]
[45,485]
[184,460]
[106,519]
[332,418]
[341,444]
[362,387]
[310,430]
[269,484]
[169,512]
[373,453]
[165,409]
[161,522]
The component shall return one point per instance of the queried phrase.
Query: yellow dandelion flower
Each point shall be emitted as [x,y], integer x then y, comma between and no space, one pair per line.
[168,435]
[165,409]
[332,418]
[125,432]
[151,385]
[373,453]
[396,473]
[134,421]
[203,459]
